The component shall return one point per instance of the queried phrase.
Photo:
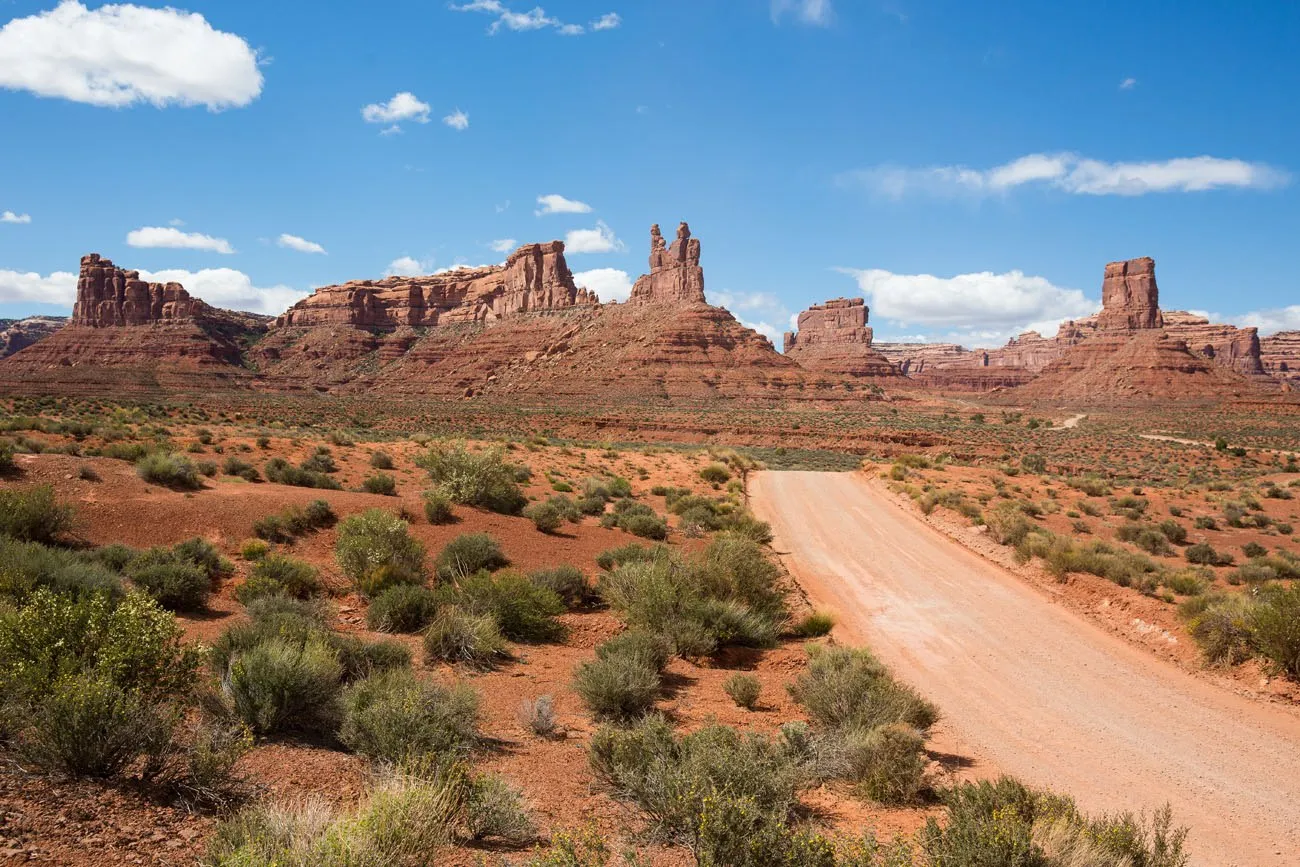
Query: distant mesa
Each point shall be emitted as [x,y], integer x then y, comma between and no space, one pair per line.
[16,334]
[834,337]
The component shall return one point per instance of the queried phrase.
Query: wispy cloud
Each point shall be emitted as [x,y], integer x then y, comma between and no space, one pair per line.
[503,245]
[557,204]
[404,106]
[11,217]
[505,18]
[168,237]
[1128,84]
[1070,173]
[608,21]
[457,120]
[302,245]
[816,13]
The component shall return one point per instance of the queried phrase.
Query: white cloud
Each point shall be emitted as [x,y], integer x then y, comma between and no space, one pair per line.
[231,289]
[608,21]
[1128,84]
[557,204]
[457,120]
[598,240]
[173,238]
[176,221]
[503,245]
[987,307]
[532,19]
[744,300]
[504,206]
[572,30]
[817,13]
[11,217]
[302,245]
[58,288]
[1071,173]
[407,266]
[118,55]
[403,106]
[609,284]
[767,330]
[1268,321]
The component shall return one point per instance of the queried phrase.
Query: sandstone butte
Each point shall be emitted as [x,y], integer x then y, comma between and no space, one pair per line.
[520,331]
[834,337]
[1280,355]
[1130,304]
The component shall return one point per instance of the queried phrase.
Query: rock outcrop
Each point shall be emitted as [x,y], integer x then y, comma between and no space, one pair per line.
[1280,356]
[16,334]
[835,337]
[1130,299]
[126,331]
[1226,345]
[675,274]
[533,279]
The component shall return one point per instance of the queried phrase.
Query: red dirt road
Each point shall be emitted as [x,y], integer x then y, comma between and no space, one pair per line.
[1034,690]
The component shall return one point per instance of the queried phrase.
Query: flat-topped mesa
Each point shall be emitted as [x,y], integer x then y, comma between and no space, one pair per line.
[675,274]
[834,337]
[1130,299]
[533,278]
[109,296]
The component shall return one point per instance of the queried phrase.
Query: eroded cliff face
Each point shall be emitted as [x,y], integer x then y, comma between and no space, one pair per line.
[16,334]
[1280,355]
[675,274]
[1226,345]
[109,296]
[835,337]
[535,278]
[1130,299]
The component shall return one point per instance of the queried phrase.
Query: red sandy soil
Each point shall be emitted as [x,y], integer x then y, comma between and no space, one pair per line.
[1031,687]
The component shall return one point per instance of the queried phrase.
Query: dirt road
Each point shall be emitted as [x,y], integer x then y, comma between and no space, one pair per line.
[1034,690]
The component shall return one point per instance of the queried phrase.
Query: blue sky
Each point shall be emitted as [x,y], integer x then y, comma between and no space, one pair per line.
[970,170]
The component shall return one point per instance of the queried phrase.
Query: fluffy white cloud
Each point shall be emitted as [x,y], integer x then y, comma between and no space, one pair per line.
[118,55]
[1072,174]
[608,21]
[532,19]
[989,307]
[11,217]
[609,284]
[598,240]
[771,332]
[457,120]
[557,204]
[1128,84]
[733,301]
[407,266]
[302,245]
[503,245]
[173,238]
[403,106]
[572,30]
[231,289]
[817,13]
[1267,321]
[58,288]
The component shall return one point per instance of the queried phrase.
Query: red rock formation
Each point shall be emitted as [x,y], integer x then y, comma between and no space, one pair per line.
[1129,297]
[675,274]
[1226,345]
[1280,355]
[534,278]
[126,331]
[834,337]
[16,334]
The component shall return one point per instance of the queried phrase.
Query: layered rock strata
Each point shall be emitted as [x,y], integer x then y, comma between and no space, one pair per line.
[835,337]
[675,274]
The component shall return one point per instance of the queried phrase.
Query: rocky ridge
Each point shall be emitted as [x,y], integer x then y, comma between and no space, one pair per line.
[1280,356]
[16,334]
[834,337]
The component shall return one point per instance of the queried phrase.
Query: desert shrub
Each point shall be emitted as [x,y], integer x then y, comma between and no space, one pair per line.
[375,551]
[1007,524]
[381,460]
[617,686]
[676,781]
[380,483]
[253,549]
[28,566]
[1203,553]
[457,635]
[278,575]
[319,461]
[437,507]
[647,648]
[849,688]
[589,505]
[281,472]
[546,517]
[1033,463]
[278,685]
[1254,549]
[402,608]
[715,474]
[522,610]
[33,515]
[743,689]
[567,582]
[1174,531]
[233,466]
[887,762]
[815,624]
[539,716]
[494,809]
[1274,623]
[469,553]
[1220,626]
[1187,582]
[736,569]
[618,487]
[169,470]
[483,479]
[645,526]
[7,464]
[292,522]
[1148,538]
[395,717]
[176,584]
[629,553]
[1093,486]
[405,822]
